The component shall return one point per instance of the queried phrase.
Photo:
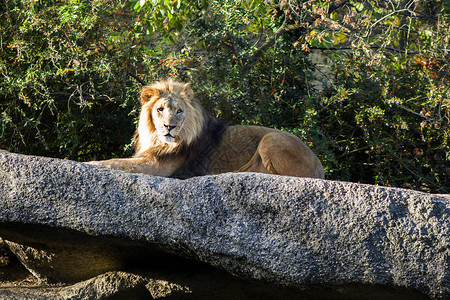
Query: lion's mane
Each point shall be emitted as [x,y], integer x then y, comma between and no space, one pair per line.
[200,132]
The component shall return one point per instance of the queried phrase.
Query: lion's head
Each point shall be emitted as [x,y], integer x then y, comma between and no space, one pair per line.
[170,118]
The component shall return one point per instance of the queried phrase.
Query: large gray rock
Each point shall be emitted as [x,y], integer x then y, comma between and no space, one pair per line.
[58,216]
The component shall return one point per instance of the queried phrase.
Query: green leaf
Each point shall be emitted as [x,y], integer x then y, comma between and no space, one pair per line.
[334,16]
[359,6]
[137,6]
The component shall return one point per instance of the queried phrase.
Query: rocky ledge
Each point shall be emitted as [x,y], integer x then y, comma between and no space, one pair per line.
[76,231]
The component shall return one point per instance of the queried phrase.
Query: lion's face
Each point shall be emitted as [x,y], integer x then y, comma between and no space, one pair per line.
[170,118]
[168,115]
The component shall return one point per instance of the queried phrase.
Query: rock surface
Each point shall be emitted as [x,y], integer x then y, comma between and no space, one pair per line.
[80,226]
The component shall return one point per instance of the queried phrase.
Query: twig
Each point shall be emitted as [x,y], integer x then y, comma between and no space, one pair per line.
[412,112]
[421,177]
[137,78]
[282,30]
[372,47]
[414,11]
[387,16]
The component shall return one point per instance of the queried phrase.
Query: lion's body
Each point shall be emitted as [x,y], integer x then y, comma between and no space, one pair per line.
[177,138]
[264,150]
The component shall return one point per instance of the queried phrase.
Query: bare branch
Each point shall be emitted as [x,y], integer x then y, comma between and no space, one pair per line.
[372,47]
[285,27]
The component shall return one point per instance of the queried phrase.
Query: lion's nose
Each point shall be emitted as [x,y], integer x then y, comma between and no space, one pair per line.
[170,127]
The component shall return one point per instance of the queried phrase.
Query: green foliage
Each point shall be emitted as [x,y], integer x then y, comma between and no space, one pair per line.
[386,123]
[61,92]
[162,15]
[387,114]
[71,72]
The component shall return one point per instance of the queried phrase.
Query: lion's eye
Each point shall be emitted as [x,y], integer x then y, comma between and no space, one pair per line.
[179,111]
[161,109]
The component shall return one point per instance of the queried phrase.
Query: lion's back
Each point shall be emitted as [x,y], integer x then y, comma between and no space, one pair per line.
[237,146]
[240,143]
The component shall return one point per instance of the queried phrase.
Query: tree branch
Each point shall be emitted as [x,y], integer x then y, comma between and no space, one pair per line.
[268,44]
[372,47]
[285,27]
[412,11]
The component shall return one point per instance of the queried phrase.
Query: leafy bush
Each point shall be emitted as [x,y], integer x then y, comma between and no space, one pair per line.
[388,113]
[62,92]
[386,125]
[71,72]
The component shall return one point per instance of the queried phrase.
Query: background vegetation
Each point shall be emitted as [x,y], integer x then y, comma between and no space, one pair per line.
[378,112]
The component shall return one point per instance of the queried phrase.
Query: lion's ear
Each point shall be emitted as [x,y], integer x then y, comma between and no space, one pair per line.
[188,91]
[147,93]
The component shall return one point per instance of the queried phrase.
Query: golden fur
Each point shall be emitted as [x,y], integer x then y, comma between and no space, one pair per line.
[146,137]
[177,138]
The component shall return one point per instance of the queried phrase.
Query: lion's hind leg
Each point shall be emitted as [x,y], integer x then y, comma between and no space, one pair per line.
[284,154]
[255,164]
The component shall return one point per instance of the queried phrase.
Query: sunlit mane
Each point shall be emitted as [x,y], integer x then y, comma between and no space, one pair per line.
[146,138]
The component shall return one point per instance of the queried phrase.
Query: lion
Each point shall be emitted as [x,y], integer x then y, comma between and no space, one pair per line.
[177,138]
